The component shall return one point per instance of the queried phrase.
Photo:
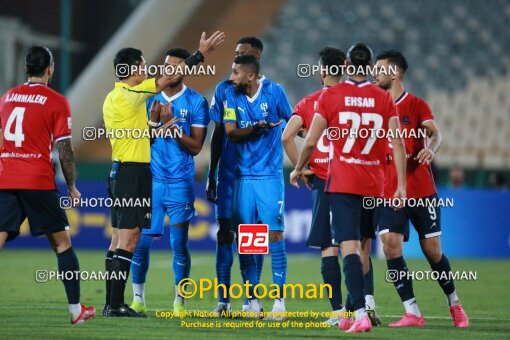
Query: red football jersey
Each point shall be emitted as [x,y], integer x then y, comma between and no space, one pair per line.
[32,117]
[358,158]
[413,112]
[320,158]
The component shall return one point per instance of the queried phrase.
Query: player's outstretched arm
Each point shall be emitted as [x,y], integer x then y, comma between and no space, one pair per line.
[289,134]
[426,155]
[399,155]
[236,134]
[216,149]
[319,123]
[66,156]
[205,47]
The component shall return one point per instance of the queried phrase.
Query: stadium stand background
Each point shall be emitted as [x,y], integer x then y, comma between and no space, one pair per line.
[458,61]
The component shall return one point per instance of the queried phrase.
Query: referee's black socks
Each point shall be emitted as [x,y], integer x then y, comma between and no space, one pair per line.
[108,268]
[121,264]
[67,264]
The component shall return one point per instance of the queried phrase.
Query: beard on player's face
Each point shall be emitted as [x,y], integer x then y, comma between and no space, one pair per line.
[384,84]
[176,84]
[241,87]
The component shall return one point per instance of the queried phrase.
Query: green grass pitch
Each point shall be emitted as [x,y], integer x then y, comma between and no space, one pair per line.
[39,310]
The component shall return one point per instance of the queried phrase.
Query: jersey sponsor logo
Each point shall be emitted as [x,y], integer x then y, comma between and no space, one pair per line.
[229,114]
[253,238]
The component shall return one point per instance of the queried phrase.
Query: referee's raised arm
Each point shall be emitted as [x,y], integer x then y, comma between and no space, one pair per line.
[205,47]
[130,180]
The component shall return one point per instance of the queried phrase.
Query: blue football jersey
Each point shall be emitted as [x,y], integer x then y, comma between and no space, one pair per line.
[226,168]
[261,155]
[170,162]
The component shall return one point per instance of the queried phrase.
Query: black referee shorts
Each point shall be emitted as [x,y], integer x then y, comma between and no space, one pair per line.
[131,190]
[42,207]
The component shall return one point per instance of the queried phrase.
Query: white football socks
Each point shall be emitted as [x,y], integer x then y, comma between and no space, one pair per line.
[75,310]
[360,313]
[139,292]
[369,302]
[453,299]
[412,307]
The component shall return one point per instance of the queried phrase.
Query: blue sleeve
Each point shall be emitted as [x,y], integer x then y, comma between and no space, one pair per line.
[283,105]
[200,117]
[216,109]
[229,112]
[148,104]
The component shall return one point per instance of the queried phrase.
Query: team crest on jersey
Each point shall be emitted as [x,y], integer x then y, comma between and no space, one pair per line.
[264,107]
[406,120]
[184,113]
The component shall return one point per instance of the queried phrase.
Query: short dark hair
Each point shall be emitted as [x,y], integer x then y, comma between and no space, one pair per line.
[394,57]
[360,55]
[330,56]
[253,41]
[178,52]
[38,58]
[128,56]
[248,60]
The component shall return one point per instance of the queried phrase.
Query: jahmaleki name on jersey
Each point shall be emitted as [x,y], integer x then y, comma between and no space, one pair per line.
[26,98]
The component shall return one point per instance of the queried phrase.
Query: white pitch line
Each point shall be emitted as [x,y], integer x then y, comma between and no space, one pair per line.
[167,309]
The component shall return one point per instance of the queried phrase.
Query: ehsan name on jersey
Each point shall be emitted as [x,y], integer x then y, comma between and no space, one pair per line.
[360,101]
[26,98]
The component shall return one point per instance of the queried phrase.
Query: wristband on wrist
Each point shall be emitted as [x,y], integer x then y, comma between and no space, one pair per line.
[194,59]
[152,124]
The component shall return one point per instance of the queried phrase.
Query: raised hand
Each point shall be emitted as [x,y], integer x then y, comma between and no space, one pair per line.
[166,113]
[155,111]
[207,46]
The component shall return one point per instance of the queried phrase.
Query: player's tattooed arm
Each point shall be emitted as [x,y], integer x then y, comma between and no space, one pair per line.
[66,156]
[426,155]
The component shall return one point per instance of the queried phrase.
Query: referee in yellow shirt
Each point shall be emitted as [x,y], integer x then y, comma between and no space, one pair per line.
[130,179]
